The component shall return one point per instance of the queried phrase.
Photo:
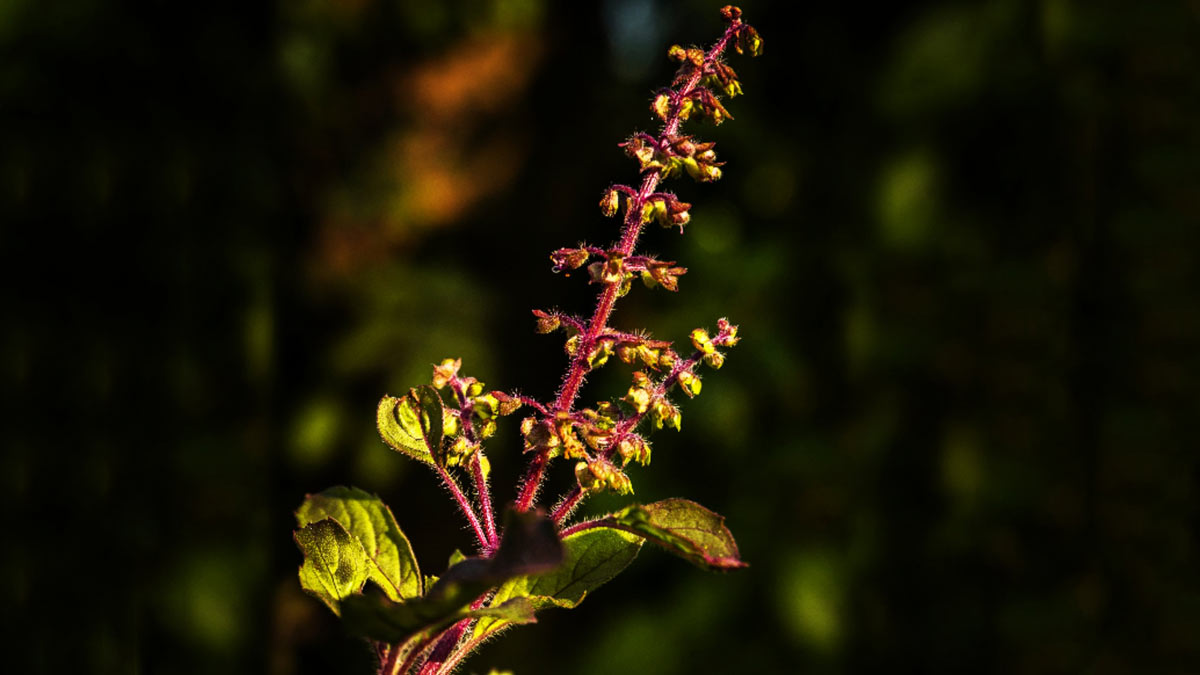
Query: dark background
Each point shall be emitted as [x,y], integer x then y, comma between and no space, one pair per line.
[960,240]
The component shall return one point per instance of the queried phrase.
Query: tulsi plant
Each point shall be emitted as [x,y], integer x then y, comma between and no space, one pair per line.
[358,561]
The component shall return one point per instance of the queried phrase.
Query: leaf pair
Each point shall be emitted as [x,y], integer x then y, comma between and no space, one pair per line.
[349,537]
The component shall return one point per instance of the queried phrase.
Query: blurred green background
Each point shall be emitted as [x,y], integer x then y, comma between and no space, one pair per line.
[960,239]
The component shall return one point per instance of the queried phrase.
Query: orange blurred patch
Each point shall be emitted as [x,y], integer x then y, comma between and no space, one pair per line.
[434,168]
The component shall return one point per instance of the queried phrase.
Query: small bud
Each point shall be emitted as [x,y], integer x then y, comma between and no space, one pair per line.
[701,341]
[648,212]
[664,414]
[508,404]
[627,352]
[486,428]
[731,13]
[648,355]
[486,406]
[572,446]
[749,41]
[634,447]
[609,203]
[684,146]
[677,53]
[485,466]
[599,355]
[696,56]
[546,323]
[571,345]
[445,371]
[685,109]
[639,398]
[569,258]
[661,106]
[474,387]
[689,383]
[596,272]
[587,479]
[538,436]
[714,360]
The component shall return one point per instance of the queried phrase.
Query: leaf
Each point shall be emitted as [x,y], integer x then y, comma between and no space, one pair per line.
[530,545]
[514,610]
[335,565]
[412,424]
[592,557]
[391,563]
[684,528]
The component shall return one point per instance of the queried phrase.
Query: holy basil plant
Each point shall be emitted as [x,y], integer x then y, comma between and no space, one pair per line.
[358,561]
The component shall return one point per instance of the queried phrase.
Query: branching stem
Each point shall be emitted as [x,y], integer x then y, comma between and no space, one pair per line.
[631,230]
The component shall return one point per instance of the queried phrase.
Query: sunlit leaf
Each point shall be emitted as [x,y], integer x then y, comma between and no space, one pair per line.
[390,560]
[684,528]
[335,565]
[530,545]
[592,557]
[412,424]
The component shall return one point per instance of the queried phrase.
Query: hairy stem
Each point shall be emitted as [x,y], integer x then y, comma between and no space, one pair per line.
[464,505]
[485,503]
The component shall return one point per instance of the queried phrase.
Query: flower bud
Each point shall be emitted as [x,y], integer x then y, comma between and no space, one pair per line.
[445,371]
[639,398]
[486,406]
[569,258]
[599,355]
[609,203]
[664,414]
[546,323]
[677,53]
[688,382]
[634,447]
[661,106]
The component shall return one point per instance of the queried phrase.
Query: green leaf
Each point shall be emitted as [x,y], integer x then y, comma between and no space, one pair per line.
[530,545]
[412,424]
[514,610]
[684,528]
[335,565]
[592,557]
[390,560]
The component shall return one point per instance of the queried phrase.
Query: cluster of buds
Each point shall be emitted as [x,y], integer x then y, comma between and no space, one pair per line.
[667,209]
[629,349]
[604,440]
[555,436]
[677,155]
[473,418]
[706,345]
[701,98]
[617,268]
[747,38]
[599,474]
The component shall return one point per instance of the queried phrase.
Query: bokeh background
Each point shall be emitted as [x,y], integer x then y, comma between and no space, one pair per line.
[960,239]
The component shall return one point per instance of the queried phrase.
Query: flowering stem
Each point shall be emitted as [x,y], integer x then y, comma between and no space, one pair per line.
[485,502]
[464,505]
[631,230]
